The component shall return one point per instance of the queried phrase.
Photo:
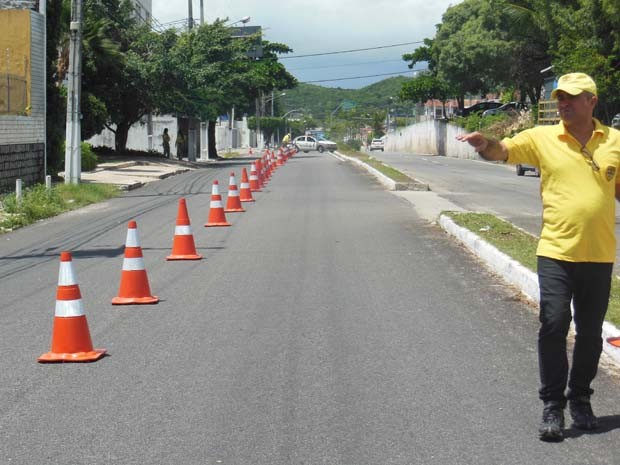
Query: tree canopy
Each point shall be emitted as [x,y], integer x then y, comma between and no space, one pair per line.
[130,70]
[501,45]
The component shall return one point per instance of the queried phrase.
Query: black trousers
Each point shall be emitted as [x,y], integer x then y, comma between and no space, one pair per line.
[588,285]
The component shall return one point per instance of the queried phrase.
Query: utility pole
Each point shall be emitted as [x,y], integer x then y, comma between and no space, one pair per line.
[202,12]
[43,11]
[73,151]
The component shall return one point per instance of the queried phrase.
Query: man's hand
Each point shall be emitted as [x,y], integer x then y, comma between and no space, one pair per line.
[475,139]
[489,149]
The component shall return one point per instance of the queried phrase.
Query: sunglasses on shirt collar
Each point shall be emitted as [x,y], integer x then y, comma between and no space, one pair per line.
[590,158]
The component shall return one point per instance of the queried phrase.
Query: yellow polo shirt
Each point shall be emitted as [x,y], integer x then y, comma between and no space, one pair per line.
[579,208]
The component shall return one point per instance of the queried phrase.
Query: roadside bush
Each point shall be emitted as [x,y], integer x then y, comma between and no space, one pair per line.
[354,144]
[89,158]
[37,203]
[497,126]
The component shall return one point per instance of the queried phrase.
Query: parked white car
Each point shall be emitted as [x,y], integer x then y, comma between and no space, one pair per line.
[307,143]
[377,144]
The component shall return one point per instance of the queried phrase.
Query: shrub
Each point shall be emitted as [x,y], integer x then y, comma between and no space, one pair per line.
[354,144]
[37,203]
[89,158]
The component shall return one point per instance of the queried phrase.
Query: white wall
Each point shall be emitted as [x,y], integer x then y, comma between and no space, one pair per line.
[138,137]
[432,138]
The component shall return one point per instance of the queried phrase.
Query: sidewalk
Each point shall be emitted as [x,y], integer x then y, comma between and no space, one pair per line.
[130,174]
[429,206]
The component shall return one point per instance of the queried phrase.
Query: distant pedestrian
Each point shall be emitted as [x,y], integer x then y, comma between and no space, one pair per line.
[180,144]
[166,143]
[578,161]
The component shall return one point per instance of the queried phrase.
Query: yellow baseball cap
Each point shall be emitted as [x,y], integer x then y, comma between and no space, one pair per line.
[575,84]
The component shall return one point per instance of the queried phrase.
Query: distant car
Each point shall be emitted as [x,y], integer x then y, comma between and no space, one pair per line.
[478,108]
[377,144]
[307,143]
[511,108]
[521,170]
[615,122]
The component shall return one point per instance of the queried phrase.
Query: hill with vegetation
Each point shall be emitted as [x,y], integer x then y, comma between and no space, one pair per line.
[321,102]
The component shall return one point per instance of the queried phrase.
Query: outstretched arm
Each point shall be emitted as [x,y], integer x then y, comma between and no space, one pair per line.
[489,149]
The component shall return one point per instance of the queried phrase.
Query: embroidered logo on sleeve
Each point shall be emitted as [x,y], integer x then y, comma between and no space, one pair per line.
[610,173]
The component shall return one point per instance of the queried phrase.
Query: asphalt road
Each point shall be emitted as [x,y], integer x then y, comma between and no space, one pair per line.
[480,186]
[328,325]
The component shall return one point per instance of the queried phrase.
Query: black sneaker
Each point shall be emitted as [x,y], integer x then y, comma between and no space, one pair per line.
[581,411]
[552,422]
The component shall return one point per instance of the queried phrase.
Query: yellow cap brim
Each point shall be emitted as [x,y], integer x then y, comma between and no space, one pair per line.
[568,90]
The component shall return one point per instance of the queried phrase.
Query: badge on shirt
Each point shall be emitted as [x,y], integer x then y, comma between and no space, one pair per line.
[610,173]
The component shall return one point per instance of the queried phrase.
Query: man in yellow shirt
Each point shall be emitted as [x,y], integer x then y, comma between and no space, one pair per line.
[286,139]
[578,161]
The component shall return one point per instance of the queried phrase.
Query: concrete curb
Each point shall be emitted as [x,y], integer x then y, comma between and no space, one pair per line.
[389,183]
[515,273]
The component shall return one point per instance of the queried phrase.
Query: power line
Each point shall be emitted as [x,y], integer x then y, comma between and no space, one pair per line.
[346,64]
[353,50]
[362,77]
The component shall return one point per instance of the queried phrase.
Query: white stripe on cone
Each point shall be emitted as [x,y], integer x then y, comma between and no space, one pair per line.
[182,231]
[216,204]
[67,308]
[66,276]
[132,238]
[133,264]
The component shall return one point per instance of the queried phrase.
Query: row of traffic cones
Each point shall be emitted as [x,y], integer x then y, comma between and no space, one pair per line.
[71,341]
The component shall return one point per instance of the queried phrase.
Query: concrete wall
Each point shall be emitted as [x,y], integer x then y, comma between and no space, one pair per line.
[22,137]
[138,137]
[433,137]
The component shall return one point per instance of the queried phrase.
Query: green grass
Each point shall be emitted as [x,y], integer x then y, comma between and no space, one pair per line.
[390,172]
[38,203]
[520,246]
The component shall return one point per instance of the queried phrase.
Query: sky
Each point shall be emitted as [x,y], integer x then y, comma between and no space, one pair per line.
[323,26]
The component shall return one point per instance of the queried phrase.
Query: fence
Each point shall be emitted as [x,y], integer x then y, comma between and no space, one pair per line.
[548,112]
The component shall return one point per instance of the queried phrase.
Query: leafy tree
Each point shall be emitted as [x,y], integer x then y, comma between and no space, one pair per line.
[57,21]
[590,43]
[115,79]
[213,72]
[426,87]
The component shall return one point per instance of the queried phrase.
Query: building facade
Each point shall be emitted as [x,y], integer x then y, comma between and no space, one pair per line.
[22,95]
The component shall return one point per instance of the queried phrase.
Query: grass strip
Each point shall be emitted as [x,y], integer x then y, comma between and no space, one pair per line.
[38,202]
[388,171]
[520,246]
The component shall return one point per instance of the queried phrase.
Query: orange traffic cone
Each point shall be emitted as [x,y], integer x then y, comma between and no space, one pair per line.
[245,193]
[70,335]
[134,288]
[183,247]
[614,341]
[217,217]
[233,203]
[254,180]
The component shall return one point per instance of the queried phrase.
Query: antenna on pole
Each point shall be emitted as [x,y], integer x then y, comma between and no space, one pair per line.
[190,18]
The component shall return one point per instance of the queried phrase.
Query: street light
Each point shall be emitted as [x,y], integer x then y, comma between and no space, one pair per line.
[260,108]
[297,110]
[272,99]
[244,20]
